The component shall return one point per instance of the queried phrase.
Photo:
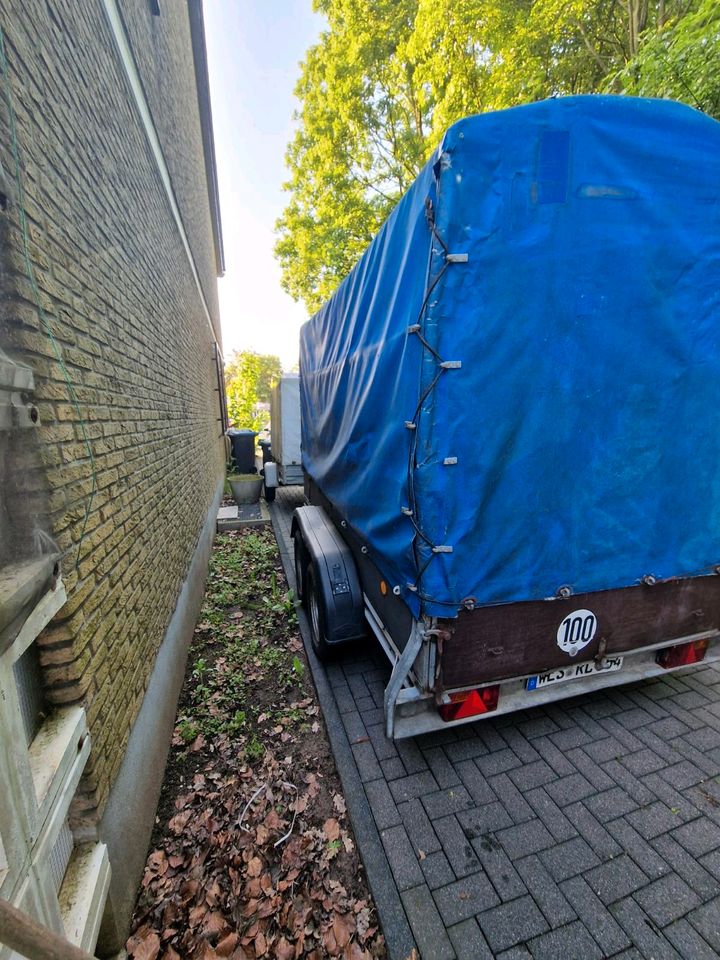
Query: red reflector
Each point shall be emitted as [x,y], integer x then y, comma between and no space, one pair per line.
[470,703]
[683,654]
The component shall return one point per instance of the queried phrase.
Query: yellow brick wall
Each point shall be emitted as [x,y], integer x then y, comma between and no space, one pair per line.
[120,297]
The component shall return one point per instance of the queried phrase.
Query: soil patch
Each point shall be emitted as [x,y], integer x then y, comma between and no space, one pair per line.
[252,853]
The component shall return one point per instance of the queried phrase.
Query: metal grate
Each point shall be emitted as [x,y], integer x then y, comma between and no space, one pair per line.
[60,856]
[28,680]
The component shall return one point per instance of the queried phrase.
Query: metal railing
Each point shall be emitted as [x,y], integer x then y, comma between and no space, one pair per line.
[32,940]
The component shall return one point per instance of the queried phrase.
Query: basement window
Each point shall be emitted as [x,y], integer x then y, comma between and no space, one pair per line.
[60,856]
[28,680]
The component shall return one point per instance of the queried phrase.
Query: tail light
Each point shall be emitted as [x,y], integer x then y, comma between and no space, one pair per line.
[470,703]
[683,654]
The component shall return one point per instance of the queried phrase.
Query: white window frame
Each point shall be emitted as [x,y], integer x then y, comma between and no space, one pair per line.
[38,783]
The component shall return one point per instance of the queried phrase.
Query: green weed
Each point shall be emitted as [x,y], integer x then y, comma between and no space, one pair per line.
[254,748]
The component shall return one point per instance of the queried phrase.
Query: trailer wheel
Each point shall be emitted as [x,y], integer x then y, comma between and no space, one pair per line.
[301,566]
[316,616]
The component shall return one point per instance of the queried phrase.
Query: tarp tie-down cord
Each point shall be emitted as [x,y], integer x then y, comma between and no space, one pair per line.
[442,367]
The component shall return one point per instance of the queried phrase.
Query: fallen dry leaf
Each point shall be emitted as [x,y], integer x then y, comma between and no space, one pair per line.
[353,951]
[331,829]
[343,928]
[226,946]
[284,950]
[330,943]
[363,923]
[214,923]
[180,821]
[147,949]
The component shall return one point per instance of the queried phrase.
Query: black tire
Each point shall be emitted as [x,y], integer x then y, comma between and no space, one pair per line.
[316,617]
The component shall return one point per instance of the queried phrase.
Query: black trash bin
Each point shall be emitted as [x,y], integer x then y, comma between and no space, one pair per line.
[242,444]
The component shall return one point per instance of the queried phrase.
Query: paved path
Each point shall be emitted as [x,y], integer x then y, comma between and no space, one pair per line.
[587,829]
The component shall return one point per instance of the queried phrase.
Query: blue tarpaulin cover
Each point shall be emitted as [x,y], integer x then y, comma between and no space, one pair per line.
[555,417]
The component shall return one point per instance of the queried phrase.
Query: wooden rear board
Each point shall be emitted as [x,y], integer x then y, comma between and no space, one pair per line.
[508,640]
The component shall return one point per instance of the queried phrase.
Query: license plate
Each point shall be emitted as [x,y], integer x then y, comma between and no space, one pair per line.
[574,672]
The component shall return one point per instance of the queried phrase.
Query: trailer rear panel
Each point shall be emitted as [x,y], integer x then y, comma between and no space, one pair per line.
[509,640]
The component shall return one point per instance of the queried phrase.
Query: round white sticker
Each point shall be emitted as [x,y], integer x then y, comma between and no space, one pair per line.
[576,631]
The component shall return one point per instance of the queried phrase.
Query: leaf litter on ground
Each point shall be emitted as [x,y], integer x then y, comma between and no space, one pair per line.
[252,854]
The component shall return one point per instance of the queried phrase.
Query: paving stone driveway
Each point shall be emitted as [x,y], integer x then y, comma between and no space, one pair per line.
[583,830]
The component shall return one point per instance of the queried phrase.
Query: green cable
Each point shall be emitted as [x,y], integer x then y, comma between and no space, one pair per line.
[4,69]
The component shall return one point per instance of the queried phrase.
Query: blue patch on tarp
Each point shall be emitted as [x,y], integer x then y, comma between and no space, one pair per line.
[553,166]
[576,439]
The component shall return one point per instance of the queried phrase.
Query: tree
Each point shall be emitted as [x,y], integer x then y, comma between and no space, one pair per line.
[361,141]
[248,381]
[681,59]
[388,77]
[270,373]
[478,56]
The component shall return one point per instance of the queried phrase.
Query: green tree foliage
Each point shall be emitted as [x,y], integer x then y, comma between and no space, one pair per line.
[248,380]
[479,56]
[270,373]
[387,78]
[680,60]
[361,141]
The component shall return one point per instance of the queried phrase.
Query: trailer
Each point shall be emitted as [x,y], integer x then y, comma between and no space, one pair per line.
[510,426]
[285,429]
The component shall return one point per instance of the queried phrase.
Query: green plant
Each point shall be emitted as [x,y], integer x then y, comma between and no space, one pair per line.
[201,667]
[237,722]
[272,657]
[254,748]
[188,730]
[280,601]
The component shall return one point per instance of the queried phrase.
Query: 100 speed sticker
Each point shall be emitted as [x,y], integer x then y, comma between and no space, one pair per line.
[577,630]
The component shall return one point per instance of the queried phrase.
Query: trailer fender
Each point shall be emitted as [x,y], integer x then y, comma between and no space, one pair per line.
[335,576]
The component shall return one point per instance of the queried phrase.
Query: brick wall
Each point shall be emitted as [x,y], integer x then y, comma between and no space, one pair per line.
[120,297]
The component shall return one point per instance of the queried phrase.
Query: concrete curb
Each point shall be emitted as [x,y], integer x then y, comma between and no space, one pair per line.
[391,913]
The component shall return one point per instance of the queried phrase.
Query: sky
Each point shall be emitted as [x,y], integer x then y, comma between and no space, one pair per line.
[254,52]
